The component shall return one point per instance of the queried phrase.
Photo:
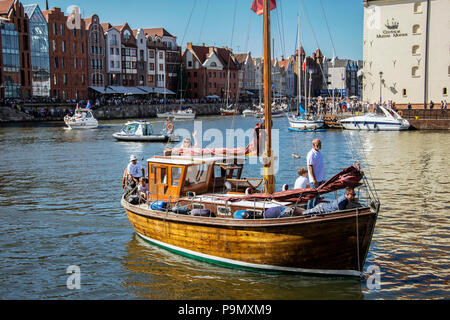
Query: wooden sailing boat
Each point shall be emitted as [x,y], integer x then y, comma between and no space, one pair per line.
[186,213]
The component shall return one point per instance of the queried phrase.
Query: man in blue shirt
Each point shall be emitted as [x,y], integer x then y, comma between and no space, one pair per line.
[337,205]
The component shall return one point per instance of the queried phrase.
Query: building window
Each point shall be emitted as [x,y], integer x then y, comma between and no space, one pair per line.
[190,64]
[61,26]
[161,55]
[417,7]
[404,92]
[161,67]
[444,91]
[65,79]
[415,72]
[54,45]
[151,54]
[415,50]
[54,29]
[416,29]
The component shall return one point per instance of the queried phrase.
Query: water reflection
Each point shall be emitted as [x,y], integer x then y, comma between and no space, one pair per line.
[155,273]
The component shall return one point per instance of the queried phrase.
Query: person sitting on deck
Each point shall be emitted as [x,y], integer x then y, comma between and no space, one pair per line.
[143,188]
[343,202]
[187,142]
[302,181]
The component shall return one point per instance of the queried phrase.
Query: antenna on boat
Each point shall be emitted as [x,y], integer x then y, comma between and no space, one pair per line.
[268,160]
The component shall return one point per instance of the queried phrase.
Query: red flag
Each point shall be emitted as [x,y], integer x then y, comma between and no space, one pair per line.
[258,6]
[304,65]
[77,107]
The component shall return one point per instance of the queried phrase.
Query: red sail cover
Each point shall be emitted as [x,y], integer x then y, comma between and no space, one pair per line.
[348,177]
[258,6]
[253,148]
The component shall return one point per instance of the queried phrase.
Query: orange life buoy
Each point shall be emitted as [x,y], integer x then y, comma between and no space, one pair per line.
[170,127]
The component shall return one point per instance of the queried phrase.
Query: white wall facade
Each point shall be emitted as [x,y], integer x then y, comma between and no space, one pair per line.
[395,44]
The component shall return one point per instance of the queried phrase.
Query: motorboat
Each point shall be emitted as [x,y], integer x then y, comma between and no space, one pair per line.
[389,121]
[82,119]
[142,131]
[185,114]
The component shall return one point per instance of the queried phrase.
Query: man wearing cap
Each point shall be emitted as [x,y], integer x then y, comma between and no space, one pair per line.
[135,170]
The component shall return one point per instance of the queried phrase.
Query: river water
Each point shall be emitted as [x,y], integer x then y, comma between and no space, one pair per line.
[60,206]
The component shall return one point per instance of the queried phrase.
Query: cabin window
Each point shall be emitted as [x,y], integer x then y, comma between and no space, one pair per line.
[176,174]
[131,128]
[196,174]
[163,176]
[223,211]
[198,206]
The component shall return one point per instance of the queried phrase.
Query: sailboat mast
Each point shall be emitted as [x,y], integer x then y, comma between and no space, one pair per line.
[268,156]
[299,66]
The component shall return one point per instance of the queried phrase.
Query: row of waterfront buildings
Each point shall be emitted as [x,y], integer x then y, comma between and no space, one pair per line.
[49,54]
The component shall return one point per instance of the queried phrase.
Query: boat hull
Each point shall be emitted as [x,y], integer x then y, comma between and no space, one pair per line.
[306,124]
[296,244]
[374,126]
[153,138]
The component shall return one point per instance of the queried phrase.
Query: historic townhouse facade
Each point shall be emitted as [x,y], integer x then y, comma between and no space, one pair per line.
[113,61]
[96,52]
[141,42]
[247,73]
[211,71]
[68,66]
[129,56]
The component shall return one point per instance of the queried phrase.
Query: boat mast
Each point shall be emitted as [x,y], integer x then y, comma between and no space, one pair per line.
[299,68]
[268,160]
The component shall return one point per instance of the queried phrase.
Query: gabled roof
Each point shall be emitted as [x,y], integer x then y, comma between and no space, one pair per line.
[242,57]
[224,55]
[160,32]
[284,63]
[5,6]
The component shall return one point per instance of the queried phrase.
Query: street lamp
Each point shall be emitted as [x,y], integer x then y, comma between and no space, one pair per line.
[381,76]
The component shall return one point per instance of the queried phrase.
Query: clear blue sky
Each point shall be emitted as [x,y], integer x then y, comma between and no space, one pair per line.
[212,22]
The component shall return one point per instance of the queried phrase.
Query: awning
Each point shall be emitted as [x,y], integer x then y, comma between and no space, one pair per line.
[146,89]
[163,91]
[103,90]
[127,90]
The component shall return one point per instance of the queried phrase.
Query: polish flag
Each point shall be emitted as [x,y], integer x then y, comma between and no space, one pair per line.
[258,6]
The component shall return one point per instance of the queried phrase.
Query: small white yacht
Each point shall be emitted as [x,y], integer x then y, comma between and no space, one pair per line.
[248,113]
[142,131]
[178,115]
[390,121]
[305,123]
[82,119]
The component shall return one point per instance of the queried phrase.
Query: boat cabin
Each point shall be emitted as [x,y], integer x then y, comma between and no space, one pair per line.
[173,177]
[139,128]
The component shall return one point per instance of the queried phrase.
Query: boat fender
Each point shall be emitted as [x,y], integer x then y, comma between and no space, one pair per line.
[202,213]
[181,210]
[275,212]
[158,205]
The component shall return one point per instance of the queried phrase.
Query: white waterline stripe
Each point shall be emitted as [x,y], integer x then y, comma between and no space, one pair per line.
[253,265]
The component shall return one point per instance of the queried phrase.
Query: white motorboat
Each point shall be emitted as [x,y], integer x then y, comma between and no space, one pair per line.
[390,121]
[178,115]
[82,119]
[142,131]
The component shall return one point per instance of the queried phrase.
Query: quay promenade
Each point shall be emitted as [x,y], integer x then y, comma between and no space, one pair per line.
[420,119]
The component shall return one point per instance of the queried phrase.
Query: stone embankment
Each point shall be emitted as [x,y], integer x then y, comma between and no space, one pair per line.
[38,113]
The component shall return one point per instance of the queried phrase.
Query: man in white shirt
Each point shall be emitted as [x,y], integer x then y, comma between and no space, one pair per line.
[316,169]
[135,170]
[302,181]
